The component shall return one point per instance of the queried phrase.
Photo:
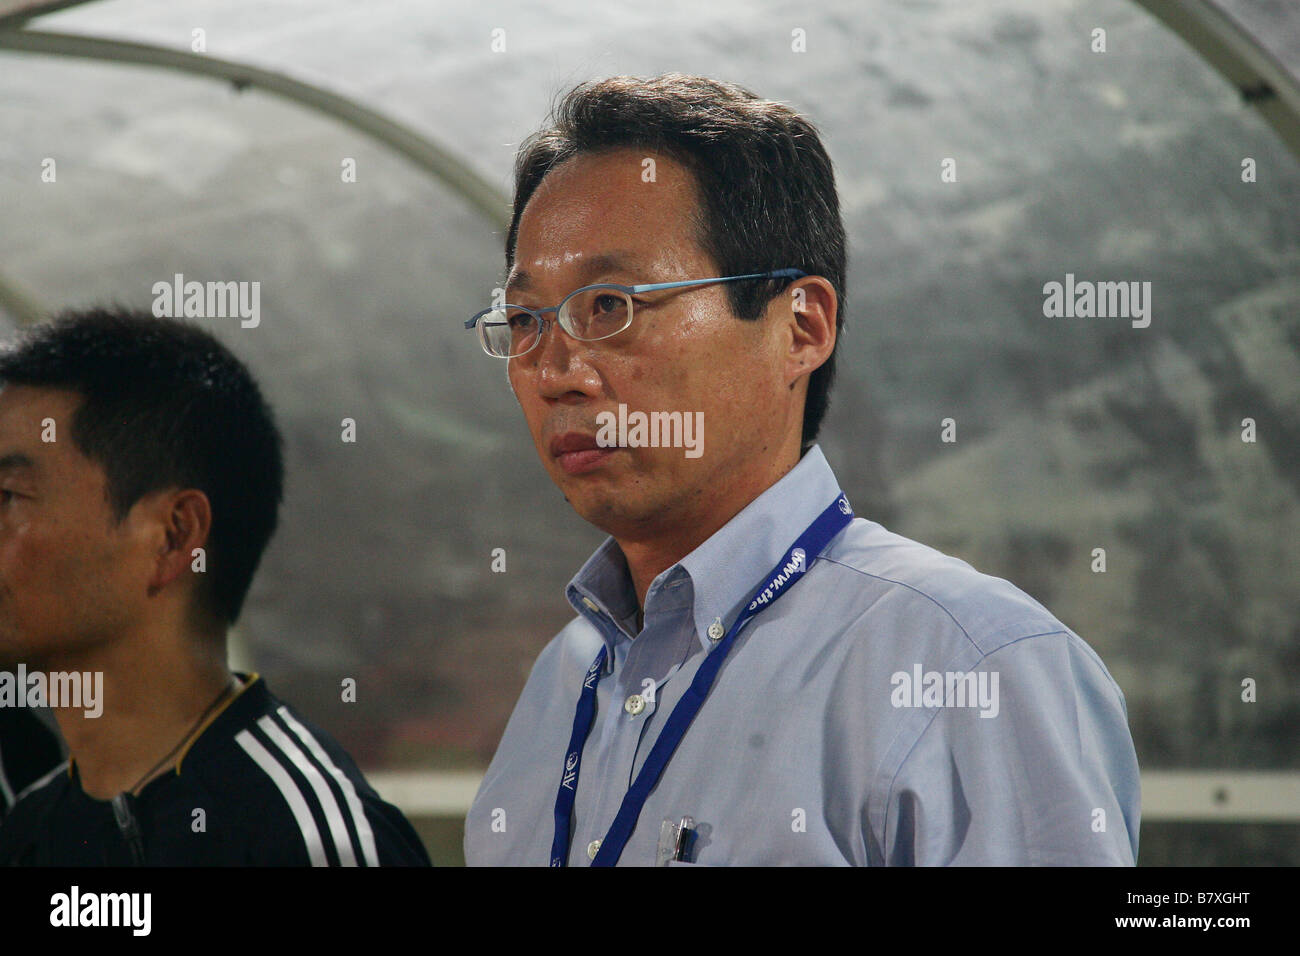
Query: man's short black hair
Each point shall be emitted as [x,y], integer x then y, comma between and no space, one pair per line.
[165,405]
[765,185]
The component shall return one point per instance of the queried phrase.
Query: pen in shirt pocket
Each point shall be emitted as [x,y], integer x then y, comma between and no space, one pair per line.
[676,841]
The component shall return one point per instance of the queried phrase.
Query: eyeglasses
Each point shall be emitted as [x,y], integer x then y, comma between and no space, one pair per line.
[589,314]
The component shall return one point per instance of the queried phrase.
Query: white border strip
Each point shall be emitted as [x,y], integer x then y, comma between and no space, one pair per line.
[1228,796]
[427,793]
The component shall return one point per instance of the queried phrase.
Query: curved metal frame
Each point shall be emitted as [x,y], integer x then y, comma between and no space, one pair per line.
[425,153]
[456,175]
[1224,43]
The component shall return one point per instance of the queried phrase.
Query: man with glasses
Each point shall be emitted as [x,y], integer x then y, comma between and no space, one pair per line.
[755,675]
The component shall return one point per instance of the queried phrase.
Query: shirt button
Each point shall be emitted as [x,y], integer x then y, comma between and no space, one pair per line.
[715,630]
[592,849]
[634,704]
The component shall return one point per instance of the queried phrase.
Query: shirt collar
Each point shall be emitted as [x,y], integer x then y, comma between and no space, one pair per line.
[247,703]
[719,576]
[603,593]
[239,709]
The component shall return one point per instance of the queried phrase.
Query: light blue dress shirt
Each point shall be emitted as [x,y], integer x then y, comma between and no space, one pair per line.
[895,707]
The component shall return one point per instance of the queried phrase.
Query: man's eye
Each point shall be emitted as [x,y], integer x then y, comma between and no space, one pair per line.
[519,320]
[608,303]
[6,496]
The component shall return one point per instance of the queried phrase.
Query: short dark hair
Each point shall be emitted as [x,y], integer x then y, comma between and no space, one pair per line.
[166,405]
[765,191]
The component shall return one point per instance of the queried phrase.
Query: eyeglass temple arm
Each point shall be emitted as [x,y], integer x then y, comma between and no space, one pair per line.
[775,274]
[657,286]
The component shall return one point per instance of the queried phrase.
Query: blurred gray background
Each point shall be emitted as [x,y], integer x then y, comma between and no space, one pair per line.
[1072,434]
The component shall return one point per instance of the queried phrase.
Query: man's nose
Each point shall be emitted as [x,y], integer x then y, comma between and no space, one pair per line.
[554,345]
[560,367]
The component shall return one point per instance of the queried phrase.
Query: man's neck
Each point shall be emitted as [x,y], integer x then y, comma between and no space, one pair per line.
[153,694]
[646,560]
[648,557]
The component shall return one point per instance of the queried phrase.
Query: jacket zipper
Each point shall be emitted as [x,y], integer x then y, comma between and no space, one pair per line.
[126,822]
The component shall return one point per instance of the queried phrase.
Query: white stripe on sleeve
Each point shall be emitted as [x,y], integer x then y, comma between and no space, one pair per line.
[338,829]
[349,791]
[292,795]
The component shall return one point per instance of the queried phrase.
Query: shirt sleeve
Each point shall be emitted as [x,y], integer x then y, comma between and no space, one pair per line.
[367,832]
[1046,775]
[395,839]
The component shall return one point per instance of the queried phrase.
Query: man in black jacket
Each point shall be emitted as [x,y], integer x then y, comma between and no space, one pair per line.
[140,481]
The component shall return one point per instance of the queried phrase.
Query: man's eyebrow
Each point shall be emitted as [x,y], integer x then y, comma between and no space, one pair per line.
[16,461]
[520,280]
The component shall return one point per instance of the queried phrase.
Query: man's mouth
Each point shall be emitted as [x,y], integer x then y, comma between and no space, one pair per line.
[578,452]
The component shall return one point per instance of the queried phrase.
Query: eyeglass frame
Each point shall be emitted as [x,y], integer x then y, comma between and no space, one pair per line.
[628,290]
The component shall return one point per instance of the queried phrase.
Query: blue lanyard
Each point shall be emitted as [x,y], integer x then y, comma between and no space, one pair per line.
[791,568]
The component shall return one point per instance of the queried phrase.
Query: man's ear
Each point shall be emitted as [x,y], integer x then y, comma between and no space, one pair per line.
[810,308]
[185,518]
